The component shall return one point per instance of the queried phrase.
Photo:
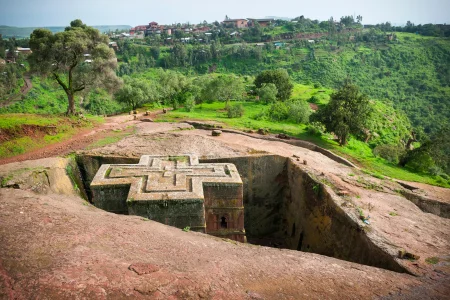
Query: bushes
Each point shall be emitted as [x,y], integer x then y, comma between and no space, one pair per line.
[235,111]
[296,111]
[299,111]
[189,104]
[392,153]
[278,111]
[316,128]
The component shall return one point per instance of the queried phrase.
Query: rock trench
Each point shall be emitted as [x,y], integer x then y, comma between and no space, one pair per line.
[287,207]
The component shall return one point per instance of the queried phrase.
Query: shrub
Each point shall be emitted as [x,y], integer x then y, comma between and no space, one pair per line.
[391,153]
[278,111]
[189,105]
[235,111]
[316,128]
[299,111]
[314,99]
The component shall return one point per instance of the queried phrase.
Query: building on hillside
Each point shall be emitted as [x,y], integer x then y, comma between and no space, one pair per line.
[153,25]
[138,29]
[238,23]
[125,36]
[261,22]
[114,46]
[24,50]
[390,36]
[201,29]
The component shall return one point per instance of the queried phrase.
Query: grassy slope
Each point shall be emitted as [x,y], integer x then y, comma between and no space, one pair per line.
[356,151]
[413,73]
[28,132]
[47,97]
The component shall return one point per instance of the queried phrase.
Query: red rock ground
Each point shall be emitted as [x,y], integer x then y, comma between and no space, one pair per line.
[55,247]
[60,247]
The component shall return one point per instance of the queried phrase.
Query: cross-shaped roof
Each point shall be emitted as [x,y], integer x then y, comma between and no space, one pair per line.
[166,177]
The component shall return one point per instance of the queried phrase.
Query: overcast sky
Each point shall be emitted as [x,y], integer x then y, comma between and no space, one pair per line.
[135,12]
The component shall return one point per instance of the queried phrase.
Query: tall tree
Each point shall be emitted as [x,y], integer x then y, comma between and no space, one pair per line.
[346,113]
[136,92]
[224,88]
[281,80]
[77,58]
[268,92]
[173,87]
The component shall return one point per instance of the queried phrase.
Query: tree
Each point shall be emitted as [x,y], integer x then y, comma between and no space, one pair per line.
[433,156]
[347,20]
[268,92]
[173,87]
[281,80]
[136,92]
[346,113]
[77,58]
[224,88]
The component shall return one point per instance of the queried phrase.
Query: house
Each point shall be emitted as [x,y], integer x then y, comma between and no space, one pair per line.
[261,22]
[234,33]
[390,36]
[238,23]
[152,25]
[278,44]
[24,50]
[114,46]
[125,36]
[201,29]
[137,29]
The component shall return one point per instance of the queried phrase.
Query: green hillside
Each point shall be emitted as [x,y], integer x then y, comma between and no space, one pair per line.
[405,75]
[413,72]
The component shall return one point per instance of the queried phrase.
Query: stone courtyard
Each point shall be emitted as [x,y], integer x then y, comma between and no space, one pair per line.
[176,191]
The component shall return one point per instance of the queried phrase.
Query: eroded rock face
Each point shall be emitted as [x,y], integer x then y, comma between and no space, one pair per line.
[47,175]
[176,191]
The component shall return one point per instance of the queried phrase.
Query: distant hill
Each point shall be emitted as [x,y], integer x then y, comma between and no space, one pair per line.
[23,32]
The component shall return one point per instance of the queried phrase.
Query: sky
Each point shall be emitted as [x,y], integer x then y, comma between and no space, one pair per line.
[36,13]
